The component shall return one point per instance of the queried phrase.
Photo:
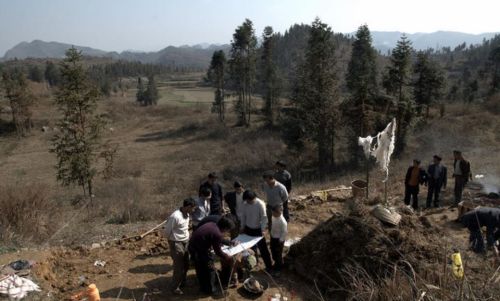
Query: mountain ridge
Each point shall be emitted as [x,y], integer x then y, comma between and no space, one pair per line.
[199,55]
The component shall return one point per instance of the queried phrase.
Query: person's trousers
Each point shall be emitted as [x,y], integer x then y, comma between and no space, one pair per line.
[277,253]
[476,239]
[262,245]
[433,191]
[459,188]
[411,193]
[205,273]
[180,257]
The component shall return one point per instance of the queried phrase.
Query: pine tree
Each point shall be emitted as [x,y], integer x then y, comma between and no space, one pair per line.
[52,74]
[270,81]
[495,60]
[35,74]
[359,108]
[20,99]
[139,96]
[78,144]
[428,84]
[316,94]
[396,82]
[243,68]
[151,93]
[216,76]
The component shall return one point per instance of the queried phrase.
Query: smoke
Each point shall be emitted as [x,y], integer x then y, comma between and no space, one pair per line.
[491,183]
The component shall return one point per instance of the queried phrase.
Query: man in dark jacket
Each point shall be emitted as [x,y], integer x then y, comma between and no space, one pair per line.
[209,237]
[284,177]
[436,179]
[216,206]
[461,173]
[480,217]
[415,176]
[234,201]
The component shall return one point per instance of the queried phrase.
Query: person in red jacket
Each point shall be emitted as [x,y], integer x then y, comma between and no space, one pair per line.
[208,237]
[415,176]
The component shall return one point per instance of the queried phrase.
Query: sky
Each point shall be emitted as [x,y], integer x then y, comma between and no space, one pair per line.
[150,25]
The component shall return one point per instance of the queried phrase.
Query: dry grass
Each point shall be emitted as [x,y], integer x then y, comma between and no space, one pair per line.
[27,213]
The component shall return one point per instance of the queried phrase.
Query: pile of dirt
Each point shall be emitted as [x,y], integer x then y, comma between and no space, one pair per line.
[359,240]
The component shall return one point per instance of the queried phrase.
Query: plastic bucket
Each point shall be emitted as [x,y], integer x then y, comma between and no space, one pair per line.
[359,189]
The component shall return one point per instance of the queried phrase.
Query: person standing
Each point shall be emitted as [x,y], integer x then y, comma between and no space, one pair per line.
[436,179]
[177,233]
[254,222]
[202,208]
[279,232]
[461,173]
[276,194]
[284,177]
[480,217]
[216,206]
[234,201]
[415,176]
[208,237]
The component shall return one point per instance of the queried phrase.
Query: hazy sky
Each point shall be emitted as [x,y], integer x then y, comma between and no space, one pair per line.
[154,24]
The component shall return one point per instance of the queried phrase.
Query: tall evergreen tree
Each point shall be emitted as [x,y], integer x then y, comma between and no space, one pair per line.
[35,74]
[20,99]
[361,82]
[78,144]
[429,82]
[270,81]
[151,94]
[216,76]
[495,60]
[52,74]
[243,68]
[316,94]
[140,94]
[396,82]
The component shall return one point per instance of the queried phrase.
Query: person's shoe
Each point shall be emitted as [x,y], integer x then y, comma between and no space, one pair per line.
[177,292]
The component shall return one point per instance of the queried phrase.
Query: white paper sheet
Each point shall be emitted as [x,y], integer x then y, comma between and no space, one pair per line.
[246,242]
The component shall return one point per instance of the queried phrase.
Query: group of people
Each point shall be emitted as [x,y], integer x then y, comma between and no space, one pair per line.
[212,215]
[435,178]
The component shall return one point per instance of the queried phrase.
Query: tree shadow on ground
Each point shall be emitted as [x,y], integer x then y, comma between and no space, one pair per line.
[7,128]
[154,290]
[158,269]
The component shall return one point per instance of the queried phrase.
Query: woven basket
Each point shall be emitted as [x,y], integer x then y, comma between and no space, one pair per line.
[386,215]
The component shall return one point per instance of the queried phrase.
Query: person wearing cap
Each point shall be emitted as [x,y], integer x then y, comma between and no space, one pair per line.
[415,176]
[234,201]
[284,177]
[177,234]
[436,179]
[254,223]
[461,174]
[202,209]
[216,206]
[276,194]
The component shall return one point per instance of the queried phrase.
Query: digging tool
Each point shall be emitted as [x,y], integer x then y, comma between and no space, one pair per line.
[152,230]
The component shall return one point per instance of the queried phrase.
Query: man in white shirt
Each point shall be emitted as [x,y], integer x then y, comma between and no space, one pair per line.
[177,233]
[202,208]
[279,232]
[254,223]
[276,194]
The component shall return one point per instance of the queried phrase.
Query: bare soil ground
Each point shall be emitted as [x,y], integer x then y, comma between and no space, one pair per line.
[164,152]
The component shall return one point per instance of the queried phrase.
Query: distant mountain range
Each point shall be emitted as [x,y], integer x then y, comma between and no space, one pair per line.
[386,40]
[198,56]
